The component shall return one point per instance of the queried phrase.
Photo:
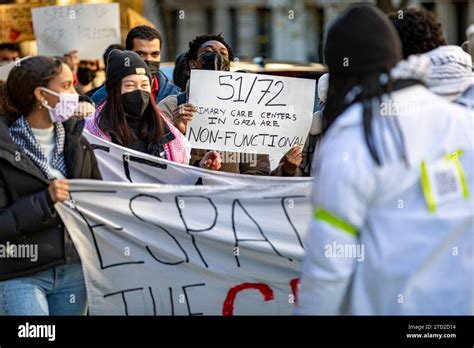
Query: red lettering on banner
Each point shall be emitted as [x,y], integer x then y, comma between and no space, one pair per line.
[228,308]
[294,288]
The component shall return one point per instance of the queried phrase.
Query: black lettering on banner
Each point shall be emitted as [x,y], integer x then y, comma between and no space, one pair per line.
[187,298]
[171,300]
[188,229]
[122,293]
[170,263]
[100,147]
[237,240]
[153,300]
[92,227]
[282,201]
[127,158]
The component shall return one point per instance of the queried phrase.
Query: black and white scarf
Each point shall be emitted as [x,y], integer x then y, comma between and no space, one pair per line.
[23,136]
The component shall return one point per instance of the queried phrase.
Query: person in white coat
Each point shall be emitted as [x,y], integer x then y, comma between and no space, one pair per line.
[393,224]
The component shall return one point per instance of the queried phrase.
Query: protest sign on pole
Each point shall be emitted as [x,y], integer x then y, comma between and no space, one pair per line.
[188,250]
[16,23]
[88,28]
[119,163]
[248,112]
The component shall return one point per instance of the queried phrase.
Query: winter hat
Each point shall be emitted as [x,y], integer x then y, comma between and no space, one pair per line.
[124,63]
[323,85]
[362,40]
[451,71]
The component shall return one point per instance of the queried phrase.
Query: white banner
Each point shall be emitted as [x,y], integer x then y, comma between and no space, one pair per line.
[118,163]
[248,112]
[88,28]
[188,250]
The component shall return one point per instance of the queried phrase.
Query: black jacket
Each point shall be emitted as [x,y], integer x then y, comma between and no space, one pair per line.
[27,214]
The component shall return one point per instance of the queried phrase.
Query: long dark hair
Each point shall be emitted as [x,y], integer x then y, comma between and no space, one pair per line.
[18,91]
[365,87]
[112,118]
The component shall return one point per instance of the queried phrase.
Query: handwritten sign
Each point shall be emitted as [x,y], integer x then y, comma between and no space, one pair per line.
[248,112]
[189,250]
[88,28]
[16,23]
[119,163]
[5,70]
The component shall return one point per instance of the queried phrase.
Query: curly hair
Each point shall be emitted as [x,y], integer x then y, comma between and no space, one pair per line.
[198,41]
[419,30]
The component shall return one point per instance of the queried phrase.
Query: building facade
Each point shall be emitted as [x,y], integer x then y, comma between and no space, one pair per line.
[291,30]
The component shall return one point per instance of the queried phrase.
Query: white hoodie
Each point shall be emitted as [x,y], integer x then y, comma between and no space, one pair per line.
[376,245]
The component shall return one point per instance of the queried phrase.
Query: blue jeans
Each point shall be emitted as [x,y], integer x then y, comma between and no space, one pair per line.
[57,291]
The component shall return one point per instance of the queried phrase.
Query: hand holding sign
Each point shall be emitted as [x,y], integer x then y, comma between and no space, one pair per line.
[182,115]
[248,112]
[211,160]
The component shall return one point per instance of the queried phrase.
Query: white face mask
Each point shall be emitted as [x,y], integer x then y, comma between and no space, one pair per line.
[65,108]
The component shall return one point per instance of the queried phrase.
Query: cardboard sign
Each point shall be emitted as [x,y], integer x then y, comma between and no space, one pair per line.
[88,28]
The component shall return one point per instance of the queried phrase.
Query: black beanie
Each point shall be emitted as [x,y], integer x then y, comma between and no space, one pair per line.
[124,63]
[362,40]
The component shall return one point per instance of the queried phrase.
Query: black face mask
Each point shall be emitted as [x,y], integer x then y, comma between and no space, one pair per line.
[85,75]
[135,103]
[214,61]
[154,66]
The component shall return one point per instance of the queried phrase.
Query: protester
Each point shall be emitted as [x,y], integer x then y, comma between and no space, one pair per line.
[86,76]
[297,161]
[129,116]
[72,60]
[40,148]
[211,52]
[105,56]
[419,30]
[146,42]
[8,53]
[392,180]
[451,74]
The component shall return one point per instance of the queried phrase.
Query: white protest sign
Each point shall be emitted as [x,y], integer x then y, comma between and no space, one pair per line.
[188,250]
[88,28]
[248,112]
[117,163]
[5,69]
